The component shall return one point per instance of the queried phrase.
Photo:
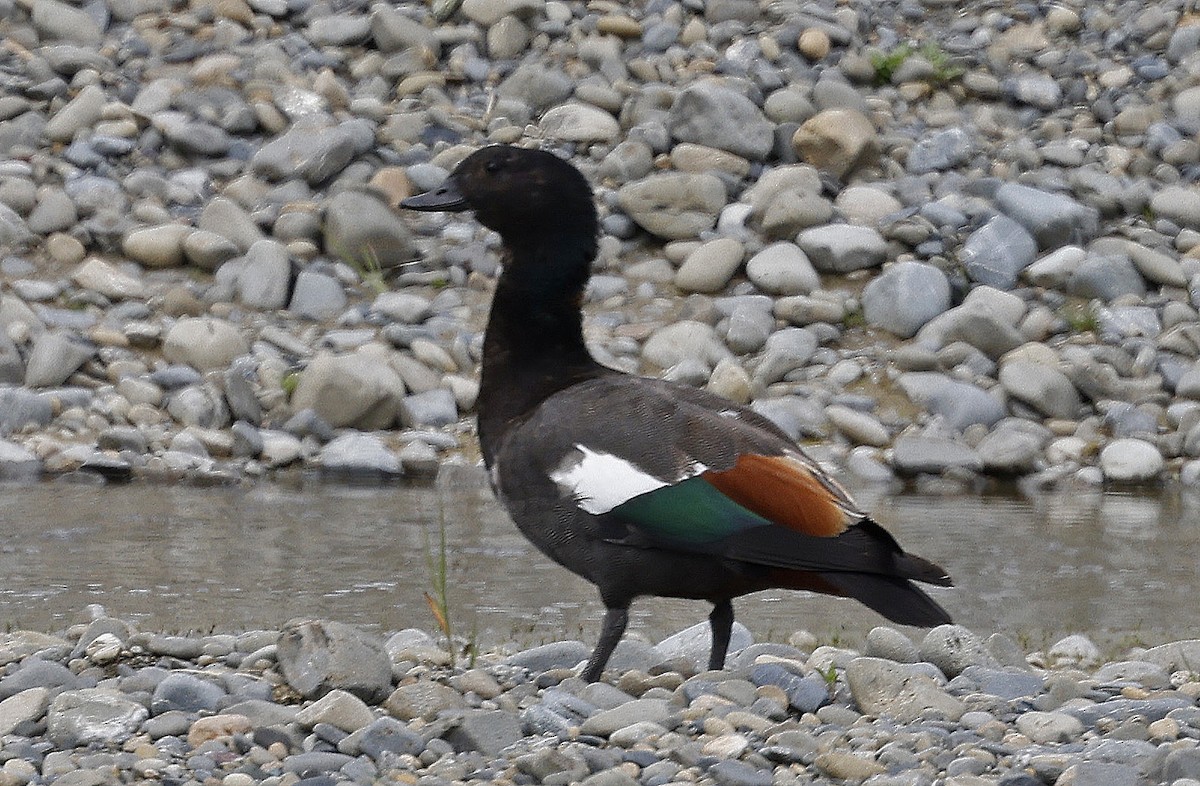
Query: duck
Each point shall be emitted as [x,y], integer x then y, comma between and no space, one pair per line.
[641,486]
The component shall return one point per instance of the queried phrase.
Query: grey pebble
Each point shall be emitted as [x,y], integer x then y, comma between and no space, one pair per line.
[976,223]
[486,731]
[17,463]
[187,693]
[362,230]
[316,761]
[739,773]
[318,655]
[841,248]
[313,150]
[996,253]
[711,114]
[36,673]
[1054,220]
[695,643]
[915,454]
[675,205]
[883,687]
[559,654]
[175,646]
[606,722]
[92,715]
[939,151]
[952,648]
[429,409]
[890,644]
[905,297]
[54,358]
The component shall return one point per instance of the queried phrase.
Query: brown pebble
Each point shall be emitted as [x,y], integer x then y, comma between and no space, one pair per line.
[107,336]
[411,85]
[813,43]
[847,766]
[64,248]
[393,183]
[237,10]
[619,25]
[179,302]
[215,727]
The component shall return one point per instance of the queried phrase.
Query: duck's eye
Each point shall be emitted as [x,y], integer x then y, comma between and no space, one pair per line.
[493,165]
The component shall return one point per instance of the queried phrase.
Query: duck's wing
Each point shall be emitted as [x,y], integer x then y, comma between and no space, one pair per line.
[666,466]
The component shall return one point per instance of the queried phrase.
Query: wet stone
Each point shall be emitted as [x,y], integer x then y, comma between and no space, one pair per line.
[312,762]
[914,455]
[93,715]
[606,722]
[486,731]
[891,644]
[354,454]
[1009,683]
[318,655]
[35,672]
[387,735]
[739,773]
[422,700]
[187,693]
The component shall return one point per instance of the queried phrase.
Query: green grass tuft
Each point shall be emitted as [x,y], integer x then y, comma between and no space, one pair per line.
[887,63]
[1080,317]
[367,265]
[290,382]
[854,318]
[438,598]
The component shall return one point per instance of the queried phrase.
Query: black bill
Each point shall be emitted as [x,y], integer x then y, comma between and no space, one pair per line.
[444,197]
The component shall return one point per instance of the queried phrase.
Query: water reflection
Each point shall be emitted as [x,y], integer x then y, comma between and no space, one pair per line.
[1118,566]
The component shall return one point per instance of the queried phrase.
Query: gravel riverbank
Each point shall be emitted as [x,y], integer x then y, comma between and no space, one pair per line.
[941,242]
[320,702]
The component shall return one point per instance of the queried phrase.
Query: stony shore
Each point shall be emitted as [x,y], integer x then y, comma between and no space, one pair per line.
[320,702]
[937,241]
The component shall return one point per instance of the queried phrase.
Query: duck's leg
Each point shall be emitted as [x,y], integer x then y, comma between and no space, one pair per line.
[615,620]
[721,621]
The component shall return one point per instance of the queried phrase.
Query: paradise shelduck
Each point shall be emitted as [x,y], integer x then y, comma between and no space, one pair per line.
[644,487]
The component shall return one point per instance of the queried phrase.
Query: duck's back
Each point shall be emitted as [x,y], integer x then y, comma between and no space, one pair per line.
[567,473]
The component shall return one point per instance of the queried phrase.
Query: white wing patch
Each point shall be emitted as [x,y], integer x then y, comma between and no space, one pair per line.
[600,482]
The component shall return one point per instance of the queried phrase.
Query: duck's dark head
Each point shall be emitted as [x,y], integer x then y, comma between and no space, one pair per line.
[525,195]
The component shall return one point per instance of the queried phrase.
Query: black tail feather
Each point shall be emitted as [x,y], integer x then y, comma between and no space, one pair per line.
[894,598]
[864,549]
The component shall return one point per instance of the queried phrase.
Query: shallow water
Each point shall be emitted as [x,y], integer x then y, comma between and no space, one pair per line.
[1120,567]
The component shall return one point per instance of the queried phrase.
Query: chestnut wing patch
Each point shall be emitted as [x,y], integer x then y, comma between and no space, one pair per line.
[787,490]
